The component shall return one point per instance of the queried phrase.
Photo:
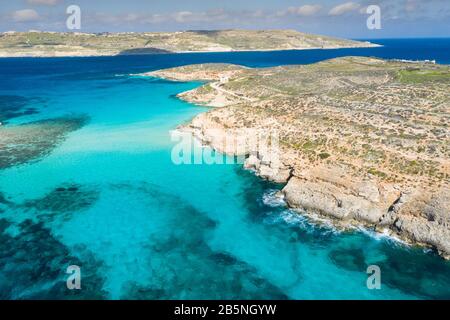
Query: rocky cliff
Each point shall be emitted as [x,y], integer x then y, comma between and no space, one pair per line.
[362,141]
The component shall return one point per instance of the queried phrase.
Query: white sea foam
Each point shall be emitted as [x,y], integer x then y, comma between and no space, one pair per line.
[384,235]
[273,198]
[310,221]
[287,217]
[318,221]
[291,217]
[307,221]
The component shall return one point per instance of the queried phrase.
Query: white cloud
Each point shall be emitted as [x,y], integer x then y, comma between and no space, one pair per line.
[217,15]
[411,5]
[180,17]
[26,15]
[183,16]
[155,19]
[131,17]
[344,8]
[44,2]
[306,10]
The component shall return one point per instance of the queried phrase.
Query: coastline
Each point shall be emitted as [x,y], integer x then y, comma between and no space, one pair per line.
[118,54]
[377,205]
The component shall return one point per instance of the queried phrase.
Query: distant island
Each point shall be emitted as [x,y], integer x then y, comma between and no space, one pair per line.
[54,44]
[364,141]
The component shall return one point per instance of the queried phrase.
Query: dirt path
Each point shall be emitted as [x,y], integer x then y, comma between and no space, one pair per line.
[216,86]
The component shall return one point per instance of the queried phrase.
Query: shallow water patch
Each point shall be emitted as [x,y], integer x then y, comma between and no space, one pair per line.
[28,142]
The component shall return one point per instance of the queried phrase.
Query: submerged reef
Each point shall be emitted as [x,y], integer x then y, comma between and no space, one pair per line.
[185,246]
[65,198]
[431,276]
[62,202]
[23,143]
[33,261]
[33,265]
[16,106]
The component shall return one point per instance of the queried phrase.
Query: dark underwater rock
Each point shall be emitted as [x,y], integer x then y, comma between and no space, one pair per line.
[33,266]
[15,106]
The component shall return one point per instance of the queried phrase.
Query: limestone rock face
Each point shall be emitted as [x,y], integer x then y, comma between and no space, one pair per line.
[337,201]
[252,162]
[416,216]
[264,162]
[270,169]
[423,217]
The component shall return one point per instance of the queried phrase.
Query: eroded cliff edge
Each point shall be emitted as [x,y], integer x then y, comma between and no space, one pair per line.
[362,140]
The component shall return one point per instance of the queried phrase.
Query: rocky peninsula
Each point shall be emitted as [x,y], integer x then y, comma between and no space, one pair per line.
[55,44]
[363,141]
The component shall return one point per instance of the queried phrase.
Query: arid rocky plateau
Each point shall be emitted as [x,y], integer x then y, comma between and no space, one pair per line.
[362,141]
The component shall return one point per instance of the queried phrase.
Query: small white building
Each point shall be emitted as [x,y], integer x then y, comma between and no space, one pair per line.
[224,78]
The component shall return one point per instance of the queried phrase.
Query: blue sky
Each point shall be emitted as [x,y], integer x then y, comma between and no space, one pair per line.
[344,18]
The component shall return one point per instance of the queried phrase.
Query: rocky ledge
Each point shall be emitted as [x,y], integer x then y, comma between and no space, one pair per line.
[362,141]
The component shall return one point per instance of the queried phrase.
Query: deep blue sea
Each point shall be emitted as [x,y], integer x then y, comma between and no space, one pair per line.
[141,227]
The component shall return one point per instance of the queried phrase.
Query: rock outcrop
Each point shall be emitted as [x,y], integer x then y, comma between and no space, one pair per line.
[362,141]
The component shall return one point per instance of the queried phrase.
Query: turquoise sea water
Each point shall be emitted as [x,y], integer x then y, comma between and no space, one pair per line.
[110,200]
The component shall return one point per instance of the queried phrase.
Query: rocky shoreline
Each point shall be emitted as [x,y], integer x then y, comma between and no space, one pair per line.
[413,207]
[345,203]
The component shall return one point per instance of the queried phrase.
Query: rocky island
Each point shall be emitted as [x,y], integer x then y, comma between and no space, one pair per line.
[53,44]
[363,141]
